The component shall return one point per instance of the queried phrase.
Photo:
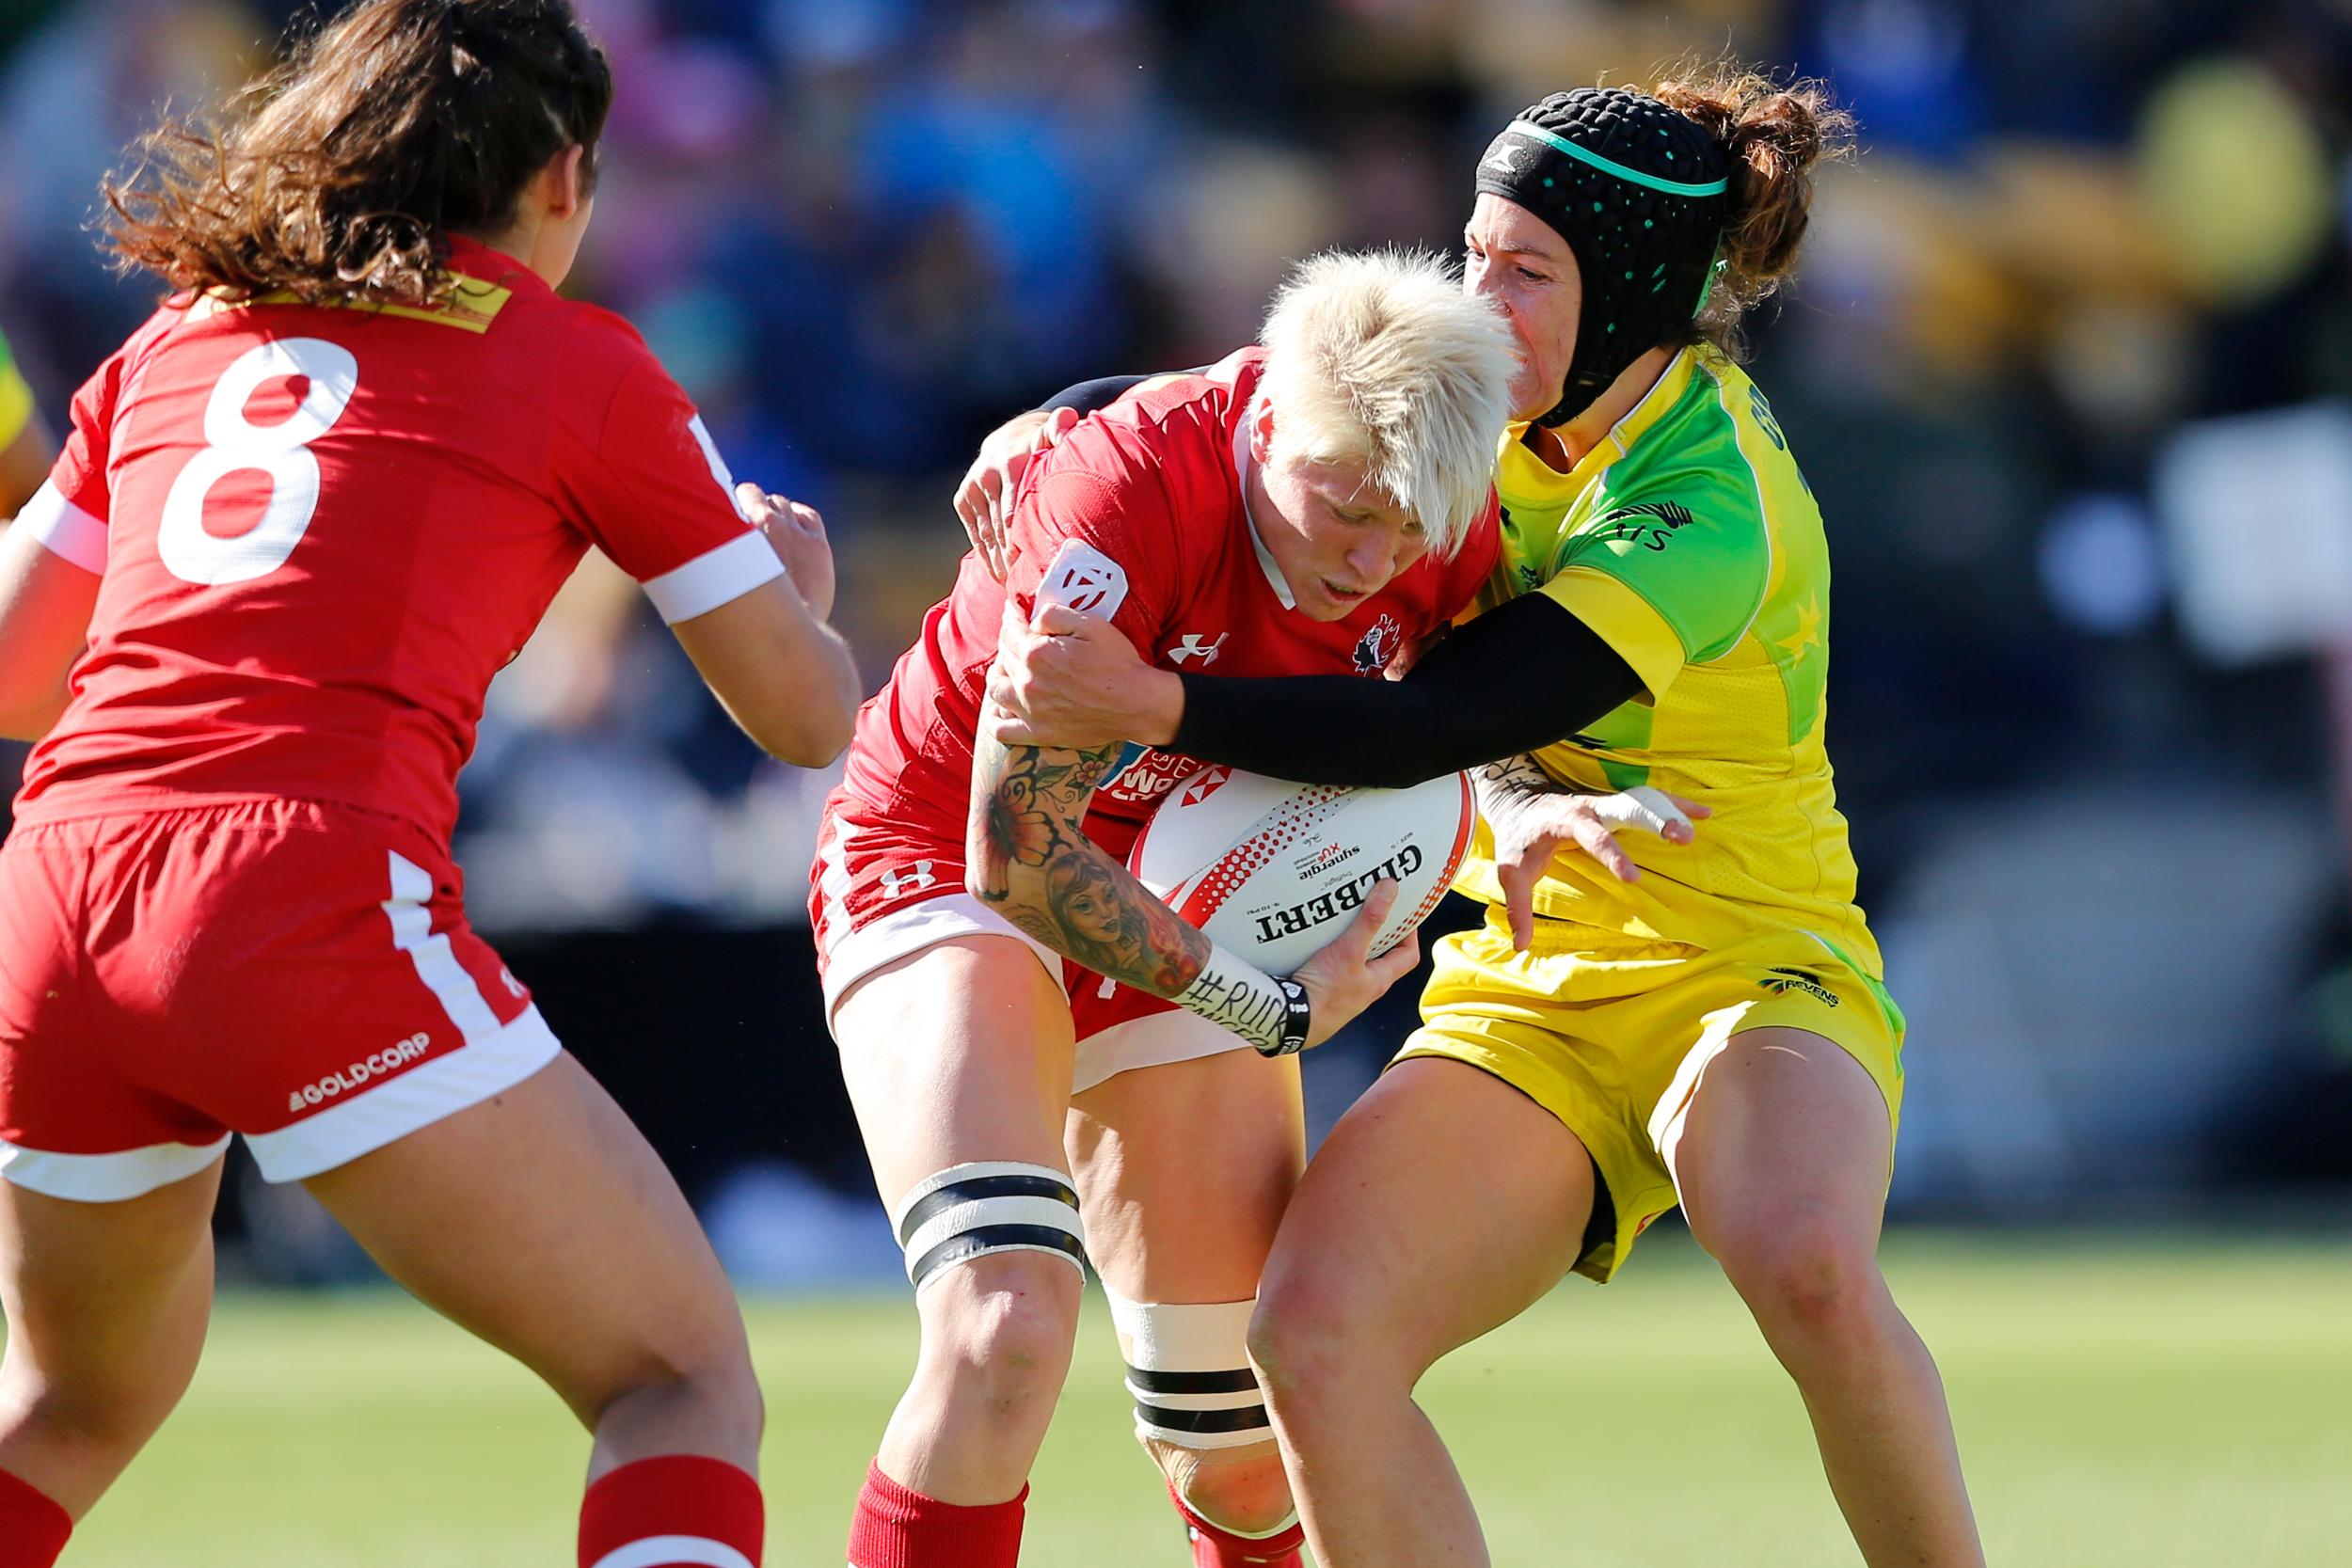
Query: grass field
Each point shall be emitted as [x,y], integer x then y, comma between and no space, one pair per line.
[2147,1402]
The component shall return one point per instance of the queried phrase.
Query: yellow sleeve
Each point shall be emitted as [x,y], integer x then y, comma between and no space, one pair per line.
[16,399]
[1624,620]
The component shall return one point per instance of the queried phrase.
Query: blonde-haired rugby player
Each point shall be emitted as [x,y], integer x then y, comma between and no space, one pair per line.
[1027,1034]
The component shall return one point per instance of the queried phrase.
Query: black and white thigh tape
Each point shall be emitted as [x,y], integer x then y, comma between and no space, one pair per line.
[969,1211]
[1188,1370]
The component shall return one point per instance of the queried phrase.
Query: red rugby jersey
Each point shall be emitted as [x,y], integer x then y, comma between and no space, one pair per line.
[1142,506]
[323,531]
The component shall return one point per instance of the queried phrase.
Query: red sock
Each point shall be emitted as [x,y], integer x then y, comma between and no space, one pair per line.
[894,1527]
[679,1510]
[1215,1547]
[32,1527]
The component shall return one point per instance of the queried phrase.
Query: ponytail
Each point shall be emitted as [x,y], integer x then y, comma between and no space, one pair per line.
[1772,135]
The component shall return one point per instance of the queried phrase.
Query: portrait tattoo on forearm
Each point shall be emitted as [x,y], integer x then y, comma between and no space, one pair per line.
[1042,871]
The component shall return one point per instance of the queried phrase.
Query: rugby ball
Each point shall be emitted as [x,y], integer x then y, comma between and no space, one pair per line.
[1273,870]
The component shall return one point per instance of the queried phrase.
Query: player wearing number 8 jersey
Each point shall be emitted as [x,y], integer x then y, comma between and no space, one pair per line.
[303,515]
[339,612]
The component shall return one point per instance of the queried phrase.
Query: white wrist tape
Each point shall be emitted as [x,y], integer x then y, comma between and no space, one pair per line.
[1237,995]
[1639,807]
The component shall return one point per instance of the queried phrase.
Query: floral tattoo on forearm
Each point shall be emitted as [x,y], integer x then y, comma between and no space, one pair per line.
[1047,877]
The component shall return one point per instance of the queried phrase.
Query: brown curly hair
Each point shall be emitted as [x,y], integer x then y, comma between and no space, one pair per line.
[343,172]
[1773,135]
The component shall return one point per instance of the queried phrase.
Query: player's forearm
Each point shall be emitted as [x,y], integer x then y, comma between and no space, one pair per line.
[45,606]
[1157,707]
[32,719]
[1030,861]
[1511,786]
[1523,676]
[1316,729]
[810,723]
[785,678]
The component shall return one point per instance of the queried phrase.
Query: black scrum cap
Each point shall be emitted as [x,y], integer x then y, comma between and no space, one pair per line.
[1637,189]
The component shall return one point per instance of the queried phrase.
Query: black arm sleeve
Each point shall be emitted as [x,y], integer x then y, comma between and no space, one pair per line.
[1521,676]
[1103,390]
[1088,396]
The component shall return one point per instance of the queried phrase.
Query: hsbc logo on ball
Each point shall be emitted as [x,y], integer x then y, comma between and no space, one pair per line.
[1205,784]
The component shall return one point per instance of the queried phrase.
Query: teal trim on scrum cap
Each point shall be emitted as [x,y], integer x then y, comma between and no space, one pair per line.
[1707,284]
[1672,187]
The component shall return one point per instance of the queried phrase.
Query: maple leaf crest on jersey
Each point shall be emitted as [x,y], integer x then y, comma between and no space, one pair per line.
[1377,646]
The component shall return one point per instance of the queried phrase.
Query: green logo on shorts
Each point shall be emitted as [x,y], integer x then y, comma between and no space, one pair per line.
[1786,980]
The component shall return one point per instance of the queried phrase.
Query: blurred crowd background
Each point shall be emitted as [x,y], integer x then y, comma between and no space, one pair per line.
[2069,368]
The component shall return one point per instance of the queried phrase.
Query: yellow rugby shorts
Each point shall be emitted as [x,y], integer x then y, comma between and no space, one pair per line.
[1609,1034]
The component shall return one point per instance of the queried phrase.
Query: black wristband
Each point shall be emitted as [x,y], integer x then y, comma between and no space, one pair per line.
[1296,1018]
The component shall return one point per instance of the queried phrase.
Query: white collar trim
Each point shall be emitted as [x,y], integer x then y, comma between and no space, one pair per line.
[1242,466]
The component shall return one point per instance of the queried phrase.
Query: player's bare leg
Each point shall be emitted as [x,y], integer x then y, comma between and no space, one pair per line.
[1443,1204]
[1186,1169]
[960,1055]
[1783,1167]
[106,1306]
[541,1220]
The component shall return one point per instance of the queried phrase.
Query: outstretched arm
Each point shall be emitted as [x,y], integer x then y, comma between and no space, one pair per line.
[1521,676]
[781,672]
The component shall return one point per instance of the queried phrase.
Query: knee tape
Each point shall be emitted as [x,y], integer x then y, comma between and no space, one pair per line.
[1188,1372]
[970,1211]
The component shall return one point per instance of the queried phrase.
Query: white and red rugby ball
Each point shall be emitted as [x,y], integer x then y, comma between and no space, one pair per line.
[1274,870]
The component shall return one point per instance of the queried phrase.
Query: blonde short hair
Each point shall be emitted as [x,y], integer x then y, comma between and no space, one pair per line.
[1378,358]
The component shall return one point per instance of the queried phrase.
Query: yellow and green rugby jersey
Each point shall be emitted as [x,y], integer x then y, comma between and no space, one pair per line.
[16,399]
[1689,541]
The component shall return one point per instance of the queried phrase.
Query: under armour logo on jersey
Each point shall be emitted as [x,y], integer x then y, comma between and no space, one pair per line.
[893,883]
[1083,578]
[1377,646]
[1203,785]
[1193,646]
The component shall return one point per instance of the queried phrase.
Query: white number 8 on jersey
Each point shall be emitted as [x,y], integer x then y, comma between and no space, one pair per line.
[280,451]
